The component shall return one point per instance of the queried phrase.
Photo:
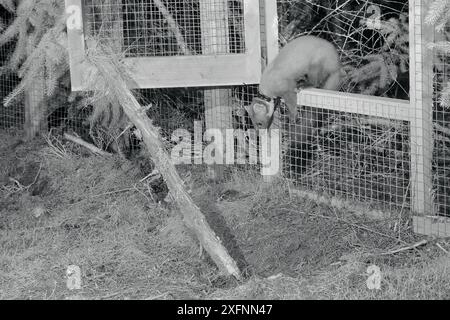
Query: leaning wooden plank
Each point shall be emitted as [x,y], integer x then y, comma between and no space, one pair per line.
[110,81]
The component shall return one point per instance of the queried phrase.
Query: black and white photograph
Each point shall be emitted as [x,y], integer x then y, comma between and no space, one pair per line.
[224,155]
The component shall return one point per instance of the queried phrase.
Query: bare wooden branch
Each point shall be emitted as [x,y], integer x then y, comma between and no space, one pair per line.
[173,25]
[116,87]
[442,248]
[85,144]
[413,246]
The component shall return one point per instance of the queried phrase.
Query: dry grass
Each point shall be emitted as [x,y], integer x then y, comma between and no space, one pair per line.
[97,215]
[122,240]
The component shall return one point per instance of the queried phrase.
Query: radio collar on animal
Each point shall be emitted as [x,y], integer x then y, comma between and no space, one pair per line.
[305,62]
[266,98]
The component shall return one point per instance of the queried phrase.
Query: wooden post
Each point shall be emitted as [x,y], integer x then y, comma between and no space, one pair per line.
[269,8]
[271,23]
[421,90]
[76,44]
[215,39]
[35,110]
[426,221]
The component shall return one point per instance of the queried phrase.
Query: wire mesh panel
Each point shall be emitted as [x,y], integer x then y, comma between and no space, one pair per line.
[11,116]
[170,43]
[379,151]
[340,148]
[355,148]
[441,128]
[441,123]
[169,27]
[429,118]
[173,109]
[371,37]
[177,41]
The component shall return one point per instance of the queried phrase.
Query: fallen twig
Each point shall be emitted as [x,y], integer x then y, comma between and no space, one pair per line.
[55,146]
[173,26]
[413,246]
[154,175]
[20,187]
[441,247]
[36,177]
[87,145]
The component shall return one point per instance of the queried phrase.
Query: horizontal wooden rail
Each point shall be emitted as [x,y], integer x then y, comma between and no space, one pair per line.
[394,109]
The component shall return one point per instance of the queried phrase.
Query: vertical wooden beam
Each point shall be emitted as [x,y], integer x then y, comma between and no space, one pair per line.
[271,24]
[76,43]
[35,109]
[215,39]
[421,90]
[269,10]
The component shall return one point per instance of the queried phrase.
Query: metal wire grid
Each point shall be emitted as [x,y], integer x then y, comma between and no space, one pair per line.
[441,126]
[170,109]
[350,156]
[168,27]
[13,115]
[173,109]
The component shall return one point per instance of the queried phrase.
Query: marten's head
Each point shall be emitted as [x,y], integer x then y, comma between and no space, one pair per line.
[261,112]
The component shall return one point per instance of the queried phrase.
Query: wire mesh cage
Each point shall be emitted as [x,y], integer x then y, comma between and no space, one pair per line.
[374,151]
[169,43]
[354,149]
[354,157]
[11,116]
[168,27]
[185,108]
[441,128]
[172,29]
[377,151]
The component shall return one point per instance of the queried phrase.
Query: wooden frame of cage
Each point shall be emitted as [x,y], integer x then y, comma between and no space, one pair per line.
[176,71]
[417,111]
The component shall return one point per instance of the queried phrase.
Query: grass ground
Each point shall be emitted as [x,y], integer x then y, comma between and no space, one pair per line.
[61,206]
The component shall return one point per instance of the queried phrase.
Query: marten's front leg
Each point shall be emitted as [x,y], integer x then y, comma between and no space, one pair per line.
[291,102]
